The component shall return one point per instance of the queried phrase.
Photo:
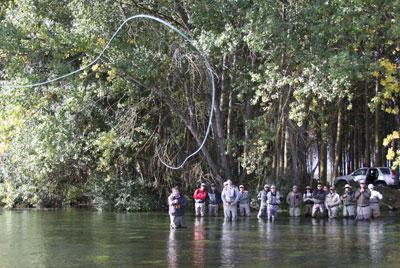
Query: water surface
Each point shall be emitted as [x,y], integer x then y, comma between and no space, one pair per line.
[82,238]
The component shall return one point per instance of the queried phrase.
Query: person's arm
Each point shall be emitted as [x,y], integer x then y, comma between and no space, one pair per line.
[223,197]
[315,194]
[170,201]
[237,196]
[367,194]
[183,202]
[278,198]
[337,200]
[380,196]
[357,195]
[195,194]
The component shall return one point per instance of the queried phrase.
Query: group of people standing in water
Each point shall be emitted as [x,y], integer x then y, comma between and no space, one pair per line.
[321,202]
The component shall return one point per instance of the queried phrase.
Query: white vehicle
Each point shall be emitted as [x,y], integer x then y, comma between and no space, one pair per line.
[374,175]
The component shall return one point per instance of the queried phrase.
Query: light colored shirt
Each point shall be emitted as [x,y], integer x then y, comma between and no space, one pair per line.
[375,197]
[230,195]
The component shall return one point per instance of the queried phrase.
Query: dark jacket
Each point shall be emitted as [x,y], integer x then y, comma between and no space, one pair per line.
[214,197]
[176,205]
[319,196]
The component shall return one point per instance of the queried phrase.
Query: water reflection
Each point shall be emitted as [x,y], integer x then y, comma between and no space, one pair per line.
[172,248]
[376,235]
[65,239]
[228,244]
[199,243]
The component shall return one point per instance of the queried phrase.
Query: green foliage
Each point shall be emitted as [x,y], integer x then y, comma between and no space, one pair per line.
[99,134]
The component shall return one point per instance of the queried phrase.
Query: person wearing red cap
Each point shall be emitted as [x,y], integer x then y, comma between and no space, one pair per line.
[244,202]
[200,196]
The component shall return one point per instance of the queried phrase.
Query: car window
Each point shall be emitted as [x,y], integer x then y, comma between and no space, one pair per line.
[361,171]
[385,171]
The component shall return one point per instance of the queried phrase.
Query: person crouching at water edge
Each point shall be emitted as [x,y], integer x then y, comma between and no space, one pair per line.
[319,200]
[362,197]
[349,202]
[308,201]
[230,198]
[374,201]
[244,202]
[177,204]
[332,202]
[262,196]
[200,196]
[214,198]
[273,201]
[293,199]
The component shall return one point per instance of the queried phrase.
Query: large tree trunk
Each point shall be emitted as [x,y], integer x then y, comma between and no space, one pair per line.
[338,143]
[323,155]
[367,129]
[378,131]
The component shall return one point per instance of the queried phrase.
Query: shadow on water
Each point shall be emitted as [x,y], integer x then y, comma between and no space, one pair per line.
[81,238]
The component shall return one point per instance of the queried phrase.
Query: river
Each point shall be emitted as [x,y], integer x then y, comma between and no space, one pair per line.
[83,238]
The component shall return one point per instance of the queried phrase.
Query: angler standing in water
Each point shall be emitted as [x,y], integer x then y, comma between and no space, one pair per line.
[230,198]
[319,200]
[349,202]
[293,199]
[244,202]
[332,203]
[200,196]
[273,202]
[374,201]
[362,196]
[214,198]
[308,201]
[262,196]
[177,204]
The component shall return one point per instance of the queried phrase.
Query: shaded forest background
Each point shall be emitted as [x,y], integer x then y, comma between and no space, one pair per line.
[305,89]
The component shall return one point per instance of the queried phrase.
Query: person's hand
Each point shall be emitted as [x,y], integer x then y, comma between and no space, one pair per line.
[362,190]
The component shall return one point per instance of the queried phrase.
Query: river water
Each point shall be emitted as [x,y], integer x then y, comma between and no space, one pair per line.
[82,238]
